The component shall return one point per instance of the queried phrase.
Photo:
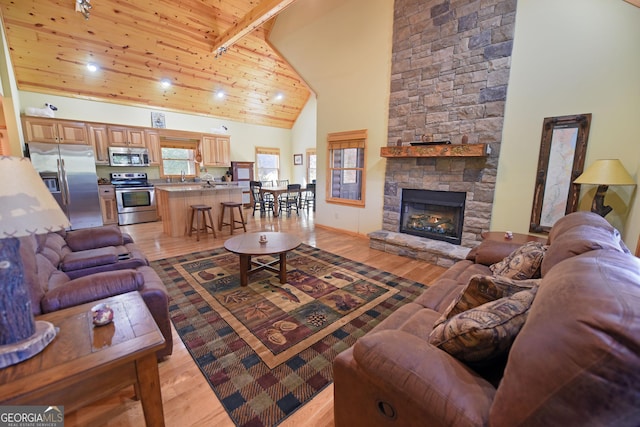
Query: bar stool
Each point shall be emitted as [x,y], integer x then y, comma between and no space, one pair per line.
[232,221]
[197,211]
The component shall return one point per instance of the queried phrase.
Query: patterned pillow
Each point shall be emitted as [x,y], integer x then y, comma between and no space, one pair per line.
[523,263]
[482,289]
[484,332]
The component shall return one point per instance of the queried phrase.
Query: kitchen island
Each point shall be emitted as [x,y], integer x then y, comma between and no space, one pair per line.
[174,203]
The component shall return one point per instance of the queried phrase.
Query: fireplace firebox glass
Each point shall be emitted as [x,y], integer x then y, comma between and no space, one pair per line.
[437,215]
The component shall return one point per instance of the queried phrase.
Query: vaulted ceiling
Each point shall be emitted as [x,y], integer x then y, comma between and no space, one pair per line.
[202,47]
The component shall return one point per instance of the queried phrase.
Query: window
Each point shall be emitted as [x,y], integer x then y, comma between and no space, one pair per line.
[178,157]
[346,167]
[268,163]
[311,165]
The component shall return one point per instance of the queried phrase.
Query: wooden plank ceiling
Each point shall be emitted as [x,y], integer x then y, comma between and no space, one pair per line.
[138,43]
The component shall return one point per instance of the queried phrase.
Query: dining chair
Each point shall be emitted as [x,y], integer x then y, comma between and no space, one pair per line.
[260,202]
[309,197]
[291,199]
[268,197]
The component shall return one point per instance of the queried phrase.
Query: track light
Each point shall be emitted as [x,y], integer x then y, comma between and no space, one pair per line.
[221,50]
[83,6]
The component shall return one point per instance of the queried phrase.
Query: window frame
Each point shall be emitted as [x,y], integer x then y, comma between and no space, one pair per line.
[187,145]
[308,153]
[267,150]
[341,140]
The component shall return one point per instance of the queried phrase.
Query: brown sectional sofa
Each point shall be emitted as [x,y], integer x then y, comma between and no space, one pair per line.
[70,268]
[575,362]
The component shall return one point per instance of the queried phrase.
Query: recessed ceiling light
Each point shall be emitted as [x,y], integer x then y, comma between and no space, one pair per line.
[166,83]
[220,94]
[92,67]
[279,97]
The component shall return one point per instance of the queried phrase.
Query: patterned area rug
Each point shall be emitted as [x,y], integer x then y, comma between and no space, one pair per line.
[267,348]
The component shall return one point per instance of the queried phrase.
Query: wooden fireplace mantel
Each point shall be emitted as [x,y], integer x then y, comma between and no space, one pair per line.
[440,150]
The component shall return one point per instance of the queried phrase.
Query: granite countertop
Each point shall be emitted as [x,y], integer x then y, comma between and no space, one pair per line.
[173,183]
[194,187]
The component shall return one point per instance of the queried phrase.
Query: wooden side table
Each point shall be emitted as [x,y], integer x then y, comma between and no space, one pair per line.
[499,236]
[85,363]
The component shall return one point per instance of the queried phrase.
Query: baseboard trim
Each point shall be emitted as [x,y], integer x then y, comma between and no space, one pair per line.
[343,231]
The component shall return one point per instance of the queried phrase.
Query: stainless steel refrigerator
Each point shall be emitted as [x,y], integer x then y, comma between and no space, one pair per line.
[69,171]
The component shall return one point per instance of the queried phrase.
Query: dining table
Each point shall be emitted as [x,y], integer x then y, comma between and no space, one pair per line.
[277,191]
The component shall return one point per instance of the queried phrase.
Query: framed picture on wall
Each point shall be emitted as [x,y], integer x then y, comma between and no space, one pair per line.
[157,120]
[297,159]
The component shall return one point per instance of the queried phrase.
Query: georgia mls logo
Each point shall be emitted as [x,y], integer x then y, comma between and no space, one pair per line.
[56,410]
[31,416]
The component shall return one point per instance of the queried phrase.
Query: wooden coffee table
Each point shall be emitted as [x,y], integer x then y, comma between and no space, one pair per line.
[248,245]
[85,363]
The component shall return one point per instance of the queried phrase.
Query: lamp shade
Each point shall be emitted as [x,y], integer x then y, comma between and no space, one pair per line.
[26,204]
[606,172]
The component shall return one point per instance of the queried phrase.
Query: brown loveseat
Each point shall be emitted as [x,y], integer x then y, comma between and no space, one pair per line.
[71,268]
[575,362]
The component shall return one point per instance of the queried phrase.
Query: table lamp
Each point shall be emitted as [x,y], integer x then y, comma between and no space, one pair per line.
[603,173]
[26,207]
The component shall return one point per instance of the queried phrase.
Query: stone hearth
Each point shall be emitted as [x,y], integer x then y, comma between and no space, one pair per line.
[435,252]
[450,69]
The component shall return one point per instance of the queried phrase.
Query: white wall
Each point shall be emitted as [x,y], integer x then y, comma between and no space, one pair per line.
[343,51]
[303,137]
[571,57]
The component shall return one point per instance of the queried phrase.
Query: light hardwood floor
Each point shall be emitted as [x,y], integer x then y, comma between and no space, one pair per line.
[187,397]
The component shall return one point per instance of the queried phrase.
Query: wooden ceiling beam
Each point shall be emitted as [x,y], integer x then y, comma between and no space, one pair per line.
[257,16]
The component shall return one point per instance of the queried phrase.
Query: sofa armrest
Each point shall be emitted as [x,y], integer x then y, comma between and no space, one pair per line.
[154,294]
[92,238]
[412,370]
[91,288]
[490,251]
[89,258]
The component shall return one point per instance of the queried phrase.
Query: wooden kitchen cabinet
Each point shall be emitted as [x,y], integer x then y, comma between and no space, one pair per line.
[55,131]
[120,136]
[100,141]
[108,204]
[153,145]
[216,150]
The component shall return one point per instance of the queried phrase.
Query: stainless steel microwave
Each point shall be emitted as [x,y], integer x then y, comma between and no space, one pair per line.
[122,156]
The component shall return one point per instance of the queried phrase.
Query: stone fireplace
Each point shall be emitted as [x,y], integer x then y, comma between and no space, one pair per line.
[450,69]
[432,214]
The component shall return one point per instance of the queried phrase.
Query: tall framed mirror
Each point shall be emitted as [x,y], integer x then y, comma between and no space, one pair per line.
[561,160]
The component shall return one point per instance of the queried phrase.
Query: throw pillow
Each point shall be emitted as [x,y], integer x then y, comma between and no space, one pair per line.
[484,332]
[523,263]
[482,289]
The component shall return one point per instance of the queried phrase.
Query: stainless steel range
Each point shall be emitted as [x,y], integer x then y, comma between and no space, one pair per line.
[135,198]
